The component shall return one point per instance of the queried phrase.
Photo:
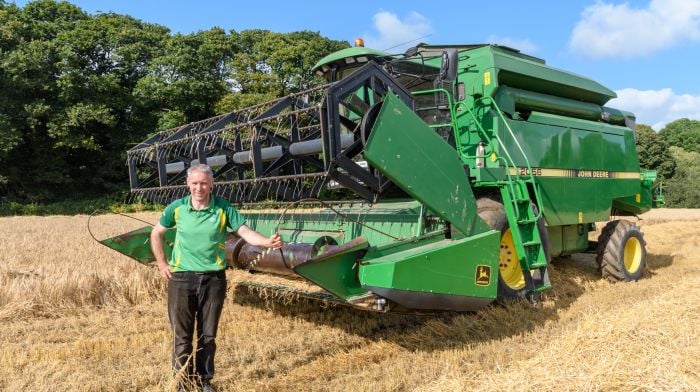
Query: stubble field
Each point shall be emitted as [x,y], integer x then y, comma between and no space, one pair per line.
[75,315]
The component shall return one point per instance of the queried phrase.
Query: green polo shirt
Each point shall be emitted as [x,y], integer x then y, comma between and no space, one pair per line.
[200,236]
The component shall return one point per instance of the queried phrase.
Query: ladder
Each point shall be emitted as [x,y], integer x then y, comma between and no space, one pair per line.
[521,210]
[522,218]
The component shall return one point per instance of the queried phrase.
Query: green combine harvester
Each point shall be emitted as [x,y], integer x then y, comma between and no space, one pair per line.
[441,179]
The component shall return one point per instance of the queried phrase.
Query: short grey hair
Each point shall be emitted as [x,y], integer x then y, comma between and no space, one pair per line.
[202,168]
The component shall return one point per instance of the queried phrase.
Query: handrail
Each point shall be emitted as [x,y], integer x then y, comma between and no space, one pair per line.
[500,142]
[527,161]
[509,162]
[453,117]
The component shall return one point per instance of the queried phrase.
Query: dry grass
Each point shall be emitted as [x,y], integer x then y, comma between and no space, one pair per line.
[77,316]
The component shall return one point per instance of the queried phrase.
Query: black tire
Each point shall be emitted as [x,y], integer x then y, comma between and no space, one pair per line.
[603,239]
[621,252]
[494,214]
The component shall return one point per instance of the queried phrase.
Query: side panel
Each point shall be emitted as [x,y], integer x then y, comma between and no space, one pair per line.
[344,222]
[450,274]
[420,162]
[566,240]
[581,166]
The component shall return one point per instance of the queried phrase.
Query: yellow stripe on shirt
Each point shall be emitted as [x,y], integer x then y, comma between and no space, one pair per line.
[177,261]
[222,216]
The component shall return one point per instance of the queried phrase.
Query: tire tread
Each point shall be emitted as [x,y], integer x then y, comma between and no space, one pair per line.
[610,250]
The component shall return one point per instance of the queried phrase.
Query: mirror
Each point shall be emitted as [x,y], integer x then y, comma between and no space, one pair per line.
[448,65]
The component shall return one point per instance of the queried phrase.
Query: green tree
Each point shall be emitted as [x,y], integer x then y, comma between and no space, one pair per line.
[187,80]
[683,133]
[653,152]
[683,190]
[10,36]
[78,90]
[268,65]
[67,81]
[29,67]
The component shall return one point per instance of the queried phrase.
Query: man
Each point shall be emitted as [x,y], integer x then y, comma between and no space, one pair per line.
[195,275]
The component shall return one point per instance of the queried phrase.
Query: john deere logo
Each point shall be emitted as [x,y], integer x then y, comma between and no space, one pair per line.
[483,275]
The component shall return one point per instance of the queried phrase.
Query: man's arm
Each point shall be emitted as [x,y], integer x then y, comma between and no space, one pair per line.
[254,238]
[157,249]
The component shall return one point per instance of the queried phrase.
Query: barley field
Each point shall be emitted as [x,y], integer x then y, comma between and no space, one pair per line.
[76,316]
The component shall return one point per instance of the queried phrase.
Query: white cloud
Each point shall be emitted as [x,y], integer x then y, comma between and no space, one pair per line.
[657,107]
[523,45]
[609,30]
[394,34]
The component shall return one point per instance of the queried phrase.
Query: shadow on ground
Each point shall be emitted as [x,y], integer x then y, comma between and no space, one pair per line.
[656,262]
[440,330]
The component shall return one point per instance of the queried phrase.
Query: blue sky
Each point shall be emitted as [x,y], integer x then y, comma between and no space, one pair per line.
[648,51]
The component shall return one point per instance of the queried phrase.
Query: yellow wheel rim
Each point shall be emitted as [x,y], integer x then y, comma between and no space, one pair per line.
[508,263]
[633,254]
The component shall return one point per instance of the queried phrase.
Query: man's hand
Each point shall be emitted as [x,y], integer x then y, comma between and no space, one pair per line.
[275,241]
[254,238]
[158,252]
[164,270]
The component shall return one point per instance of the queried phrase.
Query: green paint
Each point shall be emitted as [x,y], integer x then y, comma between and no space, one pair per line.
[419,161]
[137,244]
[358,54]
[380,223]
[337,272]
[444,267]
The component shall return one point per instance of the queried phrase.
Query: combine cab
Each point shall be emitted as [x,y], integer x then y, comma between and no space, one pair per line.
[442,179]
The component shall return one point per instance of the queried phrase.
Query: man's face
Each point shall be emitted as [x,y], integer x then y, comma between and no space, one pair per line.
[200,185]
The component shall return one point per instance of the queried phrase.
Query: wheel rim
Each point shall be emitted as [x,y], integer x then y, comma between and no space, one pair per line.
[633,254]
[508,264]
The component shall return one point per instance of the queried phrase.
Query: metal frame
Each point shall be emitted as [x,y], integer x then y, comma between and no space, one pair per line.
[374,82]
[279,124]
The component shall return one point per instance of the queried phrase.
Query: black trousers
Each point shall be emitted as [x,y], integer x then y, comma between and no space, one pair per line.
[195,299]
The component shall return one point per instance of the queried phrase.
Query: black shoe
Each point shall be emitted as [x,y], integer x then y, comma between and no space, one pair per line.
[207,387]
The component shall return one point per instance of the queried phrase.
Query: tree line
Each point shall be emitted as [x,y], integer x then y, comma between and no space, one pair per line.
[77,90]
[674,152]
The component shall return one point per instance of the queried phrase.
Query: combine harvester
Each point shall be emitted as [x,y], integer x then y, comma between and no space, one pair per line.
[441,179]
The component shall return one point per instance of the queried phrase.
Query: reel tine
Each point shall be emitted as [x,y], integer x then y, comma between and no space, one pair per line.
[211,140]
[240,191]
[192,147]
[227,190]
[280,193]
[247,196]
[239,194]
[259,187]
[273,191]
[287,191]
[316,189]
[298,188]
